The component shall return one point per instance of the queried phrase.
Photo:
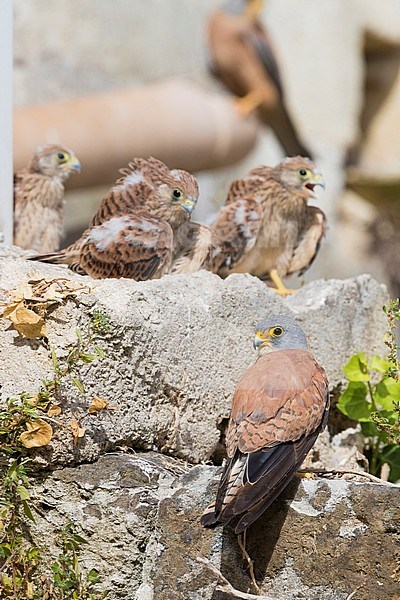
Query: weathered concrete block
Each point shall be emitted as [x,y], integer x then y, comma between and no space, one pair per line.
[175,351]
[321,540]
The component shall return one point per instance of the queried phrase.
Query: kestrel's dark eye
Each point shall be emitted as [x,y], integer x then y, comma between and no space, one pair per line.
[61,155]
[177,194]
[303,172]
[277,331]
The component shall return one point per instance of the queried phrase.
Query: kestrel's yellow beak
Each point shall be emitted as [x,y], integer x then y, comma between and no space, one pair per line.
[261,339]
[316,179]
[188,204]
[73,164]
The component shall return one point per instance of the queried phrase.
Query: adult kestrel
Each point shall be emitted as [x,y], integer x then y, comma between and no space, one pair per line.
[39,198]
[243,59]
[279,407]
[266,227]
[133,234]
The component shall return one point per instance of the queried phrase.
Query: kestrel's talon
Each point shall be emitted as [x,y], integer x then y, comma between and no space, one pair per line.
[284,293]
[279,407]
[39,198]
[305,475]
[137,229]
[280,288]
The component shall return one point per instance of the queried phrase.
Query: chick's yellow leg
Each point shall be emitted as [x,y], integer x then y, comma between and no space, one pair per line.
[281,288]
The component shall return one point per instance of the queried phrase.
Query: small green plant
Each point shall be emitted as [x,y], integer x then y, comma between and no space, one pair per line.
[68,580]
[24,424]
[19,558]
[372,397]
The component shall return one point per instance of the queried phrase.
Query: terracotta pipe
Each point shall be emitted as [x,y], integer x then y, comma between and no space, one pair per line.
[173,120]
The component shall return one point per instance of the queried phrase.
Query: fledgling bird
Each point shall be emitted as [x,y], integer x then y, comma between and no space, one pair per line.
[39,198]
[134,232]
[266,227]
[279,407]
[193,248]
[244,60]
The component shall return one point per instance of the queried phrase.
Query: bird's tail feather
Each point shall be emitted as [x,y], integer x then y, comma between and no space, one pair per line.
[57,258]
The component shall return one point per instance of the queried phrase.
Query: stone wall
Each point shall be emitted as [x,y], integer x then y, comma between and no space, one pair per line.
[175,350]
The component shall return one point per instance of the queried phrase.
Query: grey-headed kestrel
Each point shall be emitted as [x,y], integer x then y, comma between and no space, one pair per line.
[39,198]
[244,60]
[279,407]
[134,232]
[266,227]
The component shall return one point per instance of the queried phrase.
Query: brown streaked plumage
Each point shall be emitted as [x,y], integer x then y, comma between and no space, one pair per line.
[279,407]
[135,246]
[244,60]
[134,190]
[266,224]
[39,198]
[133,234]
[193,248]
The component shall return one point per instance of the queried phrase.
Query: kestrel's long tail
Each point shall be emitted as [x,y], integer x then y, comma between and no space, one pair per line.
[69,256]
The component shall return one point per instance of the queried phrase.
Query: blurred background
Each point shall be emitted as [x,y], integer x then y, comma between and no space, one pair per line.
[114,80]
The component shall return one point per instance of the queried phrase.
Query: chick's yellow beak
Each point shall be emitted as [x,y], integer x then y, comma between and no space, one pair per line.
[316,179]
[73,164]
[188,205]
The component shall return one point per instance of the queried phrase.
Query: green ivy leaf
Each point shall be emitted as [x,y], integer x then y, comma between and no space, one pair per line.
[379,364]
[391,455]
[353,402]
[369,429]
[357,369]
[387,392]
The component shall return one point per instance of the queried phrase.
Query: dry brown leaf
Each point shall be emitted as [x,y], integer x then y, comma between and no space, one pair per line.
[38,433]
[25,321]
[77,430]
[54,410]
[32,299]
[97,404]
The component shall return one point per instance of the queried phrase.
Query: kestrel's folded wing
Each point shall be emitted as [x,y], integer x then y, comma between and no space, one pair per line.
[309,243]
[279,408]
[235,232]
[134,190]
[193,247]
[257,38]
[134,246]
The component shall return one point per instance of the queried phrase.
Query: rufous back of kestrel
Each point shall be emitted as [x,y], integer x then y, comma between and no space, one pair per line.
[279,407]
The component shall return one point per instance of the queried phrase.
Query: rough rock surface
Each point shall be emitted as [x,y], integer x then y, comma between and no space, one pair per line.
[321,540]
[175,350]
